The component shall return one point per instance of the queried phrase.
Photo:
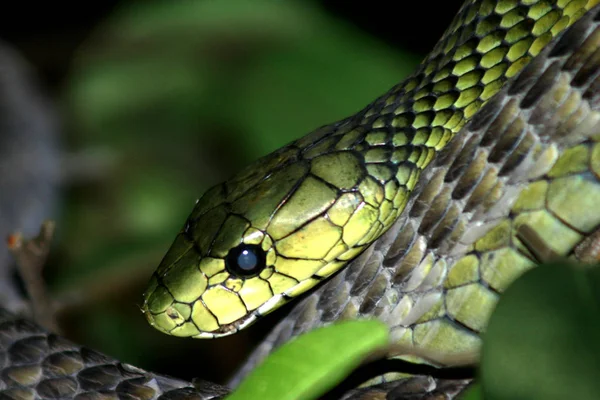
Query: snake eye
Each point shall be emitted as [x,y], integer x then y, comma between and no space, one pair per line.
[246,260]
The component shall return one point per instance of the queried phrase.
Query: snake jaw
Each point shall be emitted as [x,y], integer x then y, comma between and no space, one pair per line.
[203,318]
[229,329]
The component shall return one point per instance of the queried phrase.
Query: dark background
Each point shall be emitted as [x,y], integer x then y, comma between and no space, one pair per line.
[158,102]
[48,33]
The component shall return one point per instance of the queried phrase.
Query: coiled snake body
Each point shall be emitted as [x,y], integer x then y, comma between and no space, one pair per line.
[299,215]
[421,208]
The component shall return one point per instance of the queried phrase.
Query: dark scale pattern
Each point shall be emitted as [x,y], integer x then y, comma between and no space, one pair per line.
[416,388]
[529,159]
[37,365]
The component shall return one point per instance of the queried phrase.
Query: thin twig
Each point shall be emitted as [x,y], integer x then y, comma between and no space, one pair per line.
[31,256]
[542,252]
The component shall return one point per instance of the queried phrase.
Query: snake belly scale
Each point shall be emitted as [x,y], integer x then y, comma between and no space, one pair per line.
[456,207]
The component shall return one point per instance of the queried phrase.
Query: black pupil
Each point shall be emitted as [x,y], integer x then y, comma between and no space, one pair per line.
[246,260]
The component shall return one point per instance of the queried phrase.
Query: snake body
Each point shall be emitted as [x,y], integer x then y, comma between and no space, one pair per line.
[299,215]
[482,163]
[536,143]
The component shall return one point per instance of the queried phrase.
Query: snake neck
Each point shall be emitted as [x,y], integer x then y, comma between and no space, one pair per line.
[398,135]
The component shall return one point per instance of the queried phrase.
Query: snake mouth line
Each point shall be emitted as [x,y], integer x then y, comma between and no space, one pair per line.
[245,321]
[224,329]
[230,329]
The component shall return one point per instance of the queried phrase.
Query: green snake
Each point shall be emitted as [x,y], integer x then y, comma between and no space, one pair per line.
[463,227]
[418,210]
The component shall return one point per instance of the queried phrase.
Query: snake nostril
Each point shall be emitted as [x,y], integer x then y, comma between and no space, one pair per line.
[173,313]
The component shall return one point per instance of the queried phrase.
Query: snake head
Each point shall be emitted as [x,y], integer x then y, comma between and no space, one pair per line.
[262,238]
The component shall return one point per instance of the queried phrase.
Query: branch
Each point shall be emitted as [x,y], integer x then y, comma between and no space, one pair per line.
[31,256]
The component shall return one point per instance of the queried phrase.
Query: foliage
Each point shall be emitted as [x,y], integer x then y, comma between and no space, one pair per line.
[542,339]
[308,366]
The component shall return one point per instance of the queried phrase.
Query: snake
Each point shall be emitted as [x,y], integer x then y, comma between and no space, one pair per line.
[419,210]
[464,227]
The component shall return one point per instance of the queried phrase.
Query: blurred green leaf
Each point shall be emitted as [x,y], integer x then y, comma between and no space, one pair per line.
[542,341]
[180,96]
[309,365]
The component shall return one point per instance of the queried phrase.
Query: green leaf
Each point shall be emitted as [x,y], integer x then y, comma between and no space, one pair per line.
[313,363]
[542,340]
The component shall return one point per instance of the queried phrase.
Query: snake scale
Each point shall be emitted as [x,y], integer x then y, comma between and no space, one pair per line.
[420,210]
